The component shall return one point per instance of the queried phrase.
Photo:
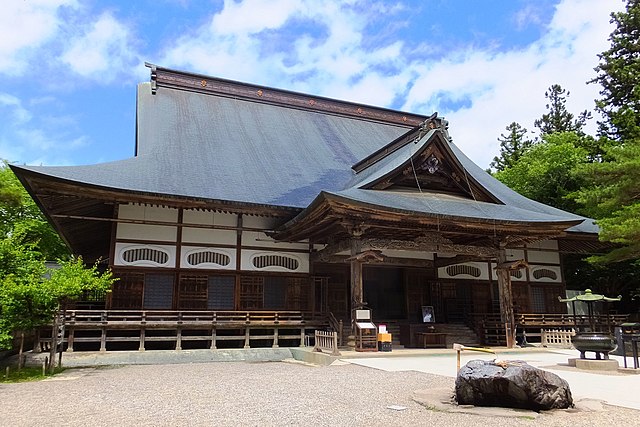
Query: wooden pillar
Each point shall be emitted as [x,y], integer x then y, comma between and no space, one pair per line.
[213,338]
[70,340]
[506,297]
[356,275]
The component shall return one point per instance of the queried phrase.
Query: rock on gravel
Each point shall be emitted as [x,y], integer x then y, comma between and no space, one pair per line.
[249,394]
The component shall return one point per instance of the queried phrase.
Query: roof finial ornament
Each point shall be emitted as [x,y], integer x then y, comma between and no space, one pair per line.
[433,122]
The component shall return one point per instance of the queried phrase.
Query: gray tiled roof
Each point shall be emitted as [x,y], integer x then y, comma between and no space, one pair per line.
[219,148]
[210,147]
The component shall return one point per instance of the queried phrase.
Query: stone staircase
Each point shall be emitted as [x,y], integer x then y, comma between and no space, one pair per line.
[458,333]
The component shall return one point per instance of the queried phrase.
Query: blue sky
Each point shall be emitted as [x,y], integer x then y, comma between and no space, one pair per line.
[69,68]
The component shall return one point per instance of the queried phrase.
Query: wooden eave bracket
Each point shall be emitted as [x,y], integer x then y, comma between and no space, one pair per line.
[368,256]
[513,265]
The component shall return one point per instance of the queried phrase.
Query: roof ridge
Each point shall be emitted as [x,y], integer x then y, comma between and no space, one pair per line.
[209,85]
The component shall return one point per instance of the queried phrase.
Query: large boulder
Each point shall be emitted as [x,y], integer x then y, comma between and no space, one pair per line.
[513,384]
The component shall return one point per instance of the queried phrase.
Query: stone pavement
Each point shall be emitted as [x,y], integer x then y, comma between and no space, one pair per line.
[619,388]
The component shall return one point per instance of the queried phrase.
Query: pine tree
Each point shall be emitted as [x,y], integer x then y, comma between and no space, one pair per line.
[512,146]
[619,76]
[558,119]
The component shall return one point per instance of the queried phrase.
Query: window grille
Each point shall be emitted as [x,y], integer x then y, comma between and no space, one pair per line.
[545,273]
[208,257]
[516,273]
[145,254]
[457,270]
[263,261]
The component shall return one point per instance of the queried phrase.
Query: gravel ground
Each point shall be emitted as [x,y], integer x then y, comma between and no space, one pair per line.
[251,394]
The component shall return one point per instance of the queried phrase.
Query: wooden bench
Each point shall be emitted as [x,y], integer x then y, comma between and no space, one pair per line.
[431,339]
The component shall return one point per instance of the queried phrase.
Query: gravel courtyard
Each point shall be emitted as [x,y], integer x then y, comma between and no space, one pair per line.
[251,394]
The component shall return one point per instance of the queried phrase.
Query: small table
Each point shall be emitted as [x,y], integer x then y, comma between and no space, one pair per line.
[431,339]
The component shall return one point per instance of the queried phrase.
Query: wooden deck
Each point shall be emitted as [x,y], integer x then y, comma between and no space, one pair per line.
[241,329]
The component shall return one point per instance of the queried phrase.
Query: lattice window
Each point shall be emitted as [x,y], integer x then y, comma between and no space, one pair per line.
[208,257]
[263,261]
[460,269]
[251,292]
[192,292]
[158,291]
[221,293]
[538,300]
[542,273]
[299,293]
[145,254]
[126,293]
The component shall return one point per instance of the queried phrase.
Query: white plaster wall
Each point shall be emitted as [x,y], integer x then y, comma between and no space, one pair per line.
[484,272]
[543,257]
[266,223]
[544,244]
[553,268]
[248,255]
[150,213]
[186,250]
[513,278]
[255,238]
[514,254]
[191,216]
[146,232]
[121,247]
[208,236]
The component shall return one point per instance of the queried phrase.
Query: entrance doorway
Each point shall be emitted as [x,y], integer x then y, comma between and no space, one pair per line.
[384,292]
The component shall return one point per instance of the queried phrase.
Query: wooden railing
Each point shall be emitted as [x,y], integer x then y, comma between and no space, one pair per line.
[178,326]
[337,326]
[491,330]
[327,341]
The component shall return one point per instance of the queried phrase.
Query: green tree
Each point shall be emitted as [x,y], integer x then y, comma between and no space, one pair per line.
[558,119]
[512,146]
[619,76]
[546,171]
[22,220]
[612,195]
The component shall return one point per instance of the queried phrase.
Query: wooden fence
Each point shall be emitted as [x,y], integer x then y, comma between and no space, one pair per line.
[212,327]
[326,341]
[557,338]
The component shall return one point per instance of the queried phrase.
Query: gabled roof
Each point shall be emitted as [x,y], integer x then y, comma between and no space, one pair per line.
[422,173]
[208,142]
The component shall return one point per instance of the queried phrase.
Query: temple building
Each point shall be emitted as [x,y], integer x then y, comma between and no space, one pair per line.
[243,198]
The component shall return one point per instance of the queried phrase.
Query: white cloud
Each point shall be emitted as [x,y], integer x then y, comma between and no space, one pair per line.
[31,140]
[103,45]
[24,27]
[480,90]
[510,86]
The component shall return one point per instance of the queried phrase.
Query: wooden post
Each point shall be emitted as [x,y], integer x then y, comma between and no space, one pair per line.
[70,339]
[356,276]
[179,338]
[103,336]
[275,337]
[142,338]
[213,338]
[54,342]
[506,298]
[246,337]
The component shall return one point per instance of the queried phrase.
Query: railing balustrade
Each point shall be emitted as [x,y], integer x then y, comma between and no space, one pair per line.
[180,326]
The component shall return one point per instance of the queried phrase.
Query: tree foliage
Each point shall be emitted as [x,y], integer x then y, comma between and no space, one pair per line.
[558,119]
[512,146]
[22,220]
[546,171]
[619,77]
[29,294]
